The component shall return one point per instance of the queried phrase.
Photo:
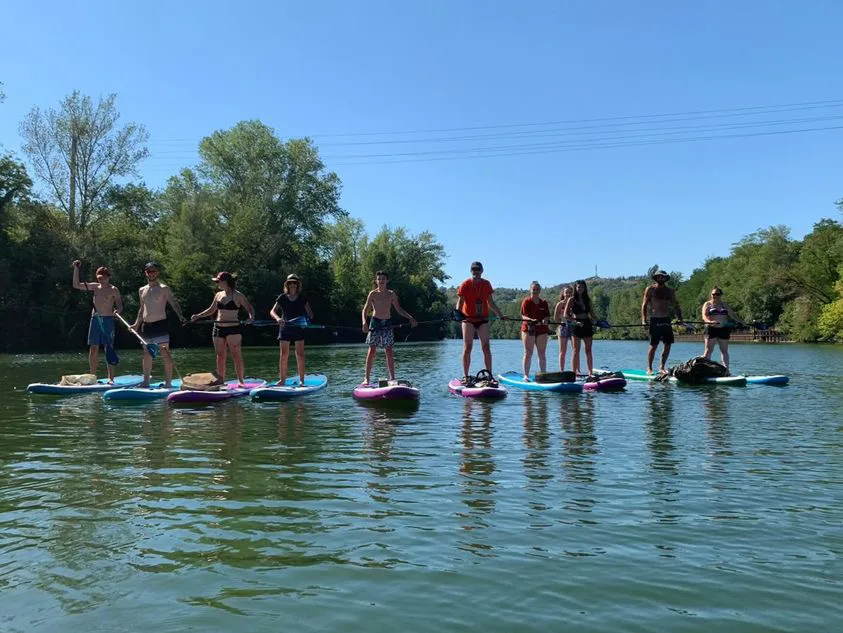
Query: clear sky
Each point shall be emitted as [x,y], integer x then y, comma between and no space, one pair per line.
[539,189]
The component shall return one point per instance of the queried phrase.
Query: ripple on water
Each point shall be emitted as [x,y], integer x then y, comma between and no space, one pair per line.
[649,510]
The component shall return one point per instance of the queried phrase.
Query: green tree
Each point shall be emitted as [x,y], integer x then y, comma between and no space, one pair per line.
[78,151]
[15,183]
[414,264]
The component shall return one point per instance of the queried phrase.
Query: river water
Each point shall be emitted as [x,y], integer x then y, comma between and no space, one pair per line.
[661,508]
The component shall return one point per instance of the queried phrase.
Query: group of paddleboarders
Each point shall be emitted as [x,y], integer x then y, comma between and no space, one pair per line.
[291,311]
[573,314]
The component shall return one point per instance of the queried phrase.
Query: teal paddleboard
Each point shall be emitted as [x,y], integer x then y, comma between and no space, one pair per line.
[516,379]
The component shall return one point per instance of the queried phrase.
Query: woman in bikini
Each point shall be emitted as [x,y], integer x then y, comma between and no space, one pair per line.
[227,331]
[719,319]
[580,310]
[564,332]
[535,313]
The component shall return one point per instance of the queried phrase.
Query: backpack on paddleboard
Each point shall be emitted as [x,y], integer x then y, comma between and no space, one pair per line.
[545,377]
[697,370]
[78,379]
[609,375]
[207,381]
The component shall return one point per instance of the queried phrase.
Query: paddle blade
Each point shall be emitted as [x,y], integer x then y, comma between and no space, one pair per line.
[300,321]
[603,323]
[111,356]
[153,349]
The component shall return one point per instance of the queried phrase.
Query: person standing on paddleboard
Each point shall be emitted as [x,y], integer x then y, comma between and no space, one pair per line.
[564,332]
[580,310]
[655,312]
[379,329]
[534,330]
[719,319]
[151,322]
[107,302]
[474,303]
[291,311]
[227,333]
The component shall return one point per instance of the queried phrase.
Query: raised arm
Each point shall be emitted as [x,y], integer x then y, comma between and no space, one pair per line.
[81,285]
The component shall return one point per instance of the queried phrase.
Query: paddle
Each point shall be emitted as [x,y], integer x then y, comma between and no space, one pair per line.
[152,348]
[110,353]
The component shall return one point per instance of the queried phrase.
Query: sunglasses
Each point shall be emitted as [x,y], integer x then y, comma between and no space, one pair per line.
[716,294]
[150,271]
[477,270]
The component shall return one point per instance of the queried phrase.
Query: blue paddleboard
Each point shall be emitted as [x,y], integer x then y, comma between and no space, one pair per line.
[516,379]
[54,389]
[291,388]
[155,391]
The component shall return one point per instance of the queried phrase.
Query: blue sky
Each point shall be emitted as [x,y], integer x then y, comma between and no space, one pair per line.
[351,72]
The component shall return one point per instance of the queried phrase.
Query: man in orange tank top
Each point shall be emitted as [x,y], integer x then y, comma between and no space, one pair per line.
[475,301]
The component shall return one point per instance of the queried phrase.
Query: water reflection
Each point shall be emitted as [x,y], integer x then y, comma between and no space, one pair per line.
[659,425]
[716,408]
[579,441]
[536,439]
[477,469]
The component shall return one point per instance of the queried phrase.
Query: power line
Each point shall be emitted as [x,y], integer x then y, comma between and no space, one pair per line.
[583,147]
[578,123]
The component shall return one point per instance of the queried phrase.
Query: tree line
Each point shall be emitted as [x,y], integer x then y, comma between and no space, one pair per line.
[262,207]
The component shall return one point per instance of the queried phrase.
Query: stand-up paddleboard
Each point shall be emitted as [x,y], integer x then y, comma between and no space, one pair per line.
[516,379]
[155,391]
[69,390]
[773,379]
[611,383]
[291,388]
[232,390]
[640,374]
[457,388]
[393,390]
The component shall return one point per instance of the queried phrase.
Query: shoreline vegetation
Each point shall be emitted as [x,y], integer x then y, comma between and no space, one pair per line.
[263,207]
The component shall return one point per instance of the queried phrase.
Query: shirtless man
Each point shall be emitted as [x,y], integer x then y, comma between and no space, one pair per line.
[658,299]
[151,321]
[379,328]
[107,301]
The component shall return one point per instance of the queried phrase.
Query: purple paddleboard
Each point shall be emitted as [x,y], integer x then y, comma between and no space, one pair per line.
[397,391]
[232,390]
[459,389]
[607,384]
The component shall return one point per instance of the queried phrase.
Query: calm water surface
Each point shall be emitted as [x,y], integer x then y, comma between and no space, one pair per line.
[661,508]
